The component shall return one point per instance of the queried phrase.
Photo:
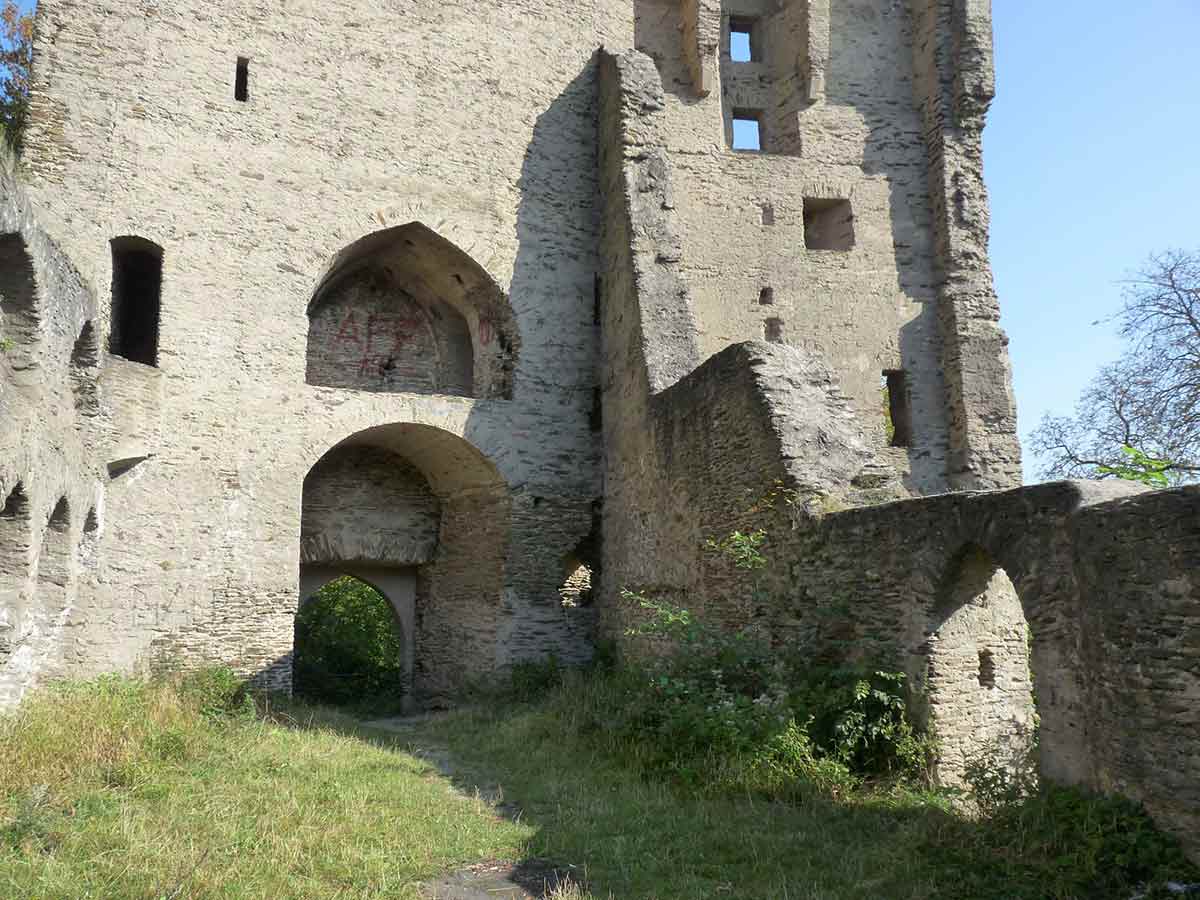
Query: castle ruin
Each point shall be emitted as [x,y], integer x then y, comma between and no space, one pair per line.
[493,306]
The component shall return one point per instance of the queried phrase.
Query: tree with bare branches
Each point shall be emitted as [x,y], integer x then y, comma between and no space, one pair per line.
[16,69]
[1140,416]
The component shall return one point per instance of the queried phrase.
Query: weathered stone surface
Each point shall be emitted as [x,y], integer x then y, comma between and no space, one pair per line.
[470,300]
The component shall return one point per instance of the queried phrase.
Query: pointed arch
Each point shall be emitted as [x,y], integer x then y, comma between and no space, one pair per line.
[54,563]
[405,310]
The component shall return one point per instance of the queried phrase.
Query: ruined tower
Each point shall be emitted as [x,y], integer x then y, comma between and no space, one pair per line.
[495,305]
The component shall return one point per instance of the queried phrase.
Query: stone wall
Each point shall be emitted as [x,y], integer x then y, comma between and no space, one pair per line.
[523,286]
[470,187]
[52,513]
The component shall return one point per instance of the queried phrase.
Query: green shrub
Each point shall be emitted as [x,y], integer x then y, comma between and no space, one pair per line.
[533,679]
[712,700]
[218,692]
[348,646]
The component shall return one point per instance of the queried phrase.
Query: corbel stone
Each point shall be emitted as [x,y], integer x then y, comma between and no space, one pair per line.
[814,57]
[974,59]
[702,42]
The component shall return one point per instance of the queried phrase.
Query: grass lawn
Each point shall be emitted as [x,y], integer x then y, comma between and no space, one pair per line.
[122,789]
[119,790]
[636,838]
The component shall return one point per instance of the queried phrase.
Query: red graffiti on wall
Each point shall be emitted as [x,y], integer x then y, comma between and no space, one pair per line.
[379,339]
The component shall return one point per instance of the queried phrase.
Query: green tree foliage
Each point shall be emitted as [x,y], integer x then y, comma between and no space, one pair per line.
[16,70]
[348,646]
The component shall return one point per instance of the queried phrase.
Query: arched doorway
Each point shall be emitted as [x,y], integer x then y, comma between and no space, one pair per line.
[352,646]
[979,676]
[423,517]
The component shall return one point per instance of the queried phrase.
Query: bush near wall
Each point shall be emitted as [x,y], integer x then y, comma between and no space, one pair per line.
[348,647]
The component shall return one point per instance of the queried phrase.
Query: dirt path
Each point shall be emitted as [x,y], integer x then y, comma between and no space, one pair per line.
[529,879]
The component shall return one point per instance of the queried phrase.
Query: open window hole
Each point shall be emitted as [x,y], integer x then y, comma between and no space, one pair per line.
[987,669]
[744,40]
[241,81]
[136,299]
[773,330]
[828,224]
[747,130]
[896,409]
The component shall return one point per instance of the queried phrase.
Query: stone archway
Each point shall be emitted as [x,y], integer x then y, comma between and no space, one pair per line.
[396,585]
[979,677]
[422,515]
[405,310]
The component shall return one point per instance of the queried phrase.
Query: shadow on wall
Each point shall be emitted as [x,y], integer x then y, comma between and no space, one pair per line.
[489,535]
[862,130]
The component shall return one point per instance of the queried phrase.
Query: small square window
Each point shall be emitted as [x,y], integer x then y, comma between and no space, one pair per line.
[743,43]
[828,224]
[747,130]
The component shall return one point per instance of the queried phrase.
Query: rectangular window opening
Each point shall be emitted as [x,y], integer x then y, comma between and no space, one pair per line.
[747,130]
[828,224]
[743,40]
[896,409]
[241,85]
[773,330]
[136,299]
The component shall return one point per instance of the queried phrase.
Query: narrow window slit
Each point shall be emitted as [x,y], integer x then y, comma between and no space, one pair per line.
[773,330]
[241,85]
[896,408]
[987,669]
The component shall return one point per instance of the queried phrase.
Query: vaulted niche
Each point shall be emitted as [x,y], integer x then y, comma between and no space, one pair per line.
[404,310]
[18,300]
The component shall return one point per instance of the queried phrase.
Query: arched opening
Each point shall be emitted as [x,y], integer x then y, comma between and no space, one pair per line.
[350,648]
[18,301]
[979,679]
[136,299]
[85,357]
[420,515]
[576,590]
[404,310]
[54,562]
[14,533]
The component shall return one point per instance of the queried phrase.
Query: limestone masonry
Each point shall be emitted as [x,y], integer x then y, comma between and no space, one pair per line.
[505,307]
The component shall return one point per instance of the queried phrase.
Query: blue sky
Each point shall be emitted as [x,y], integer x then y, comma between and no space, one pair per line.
[1091,159]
